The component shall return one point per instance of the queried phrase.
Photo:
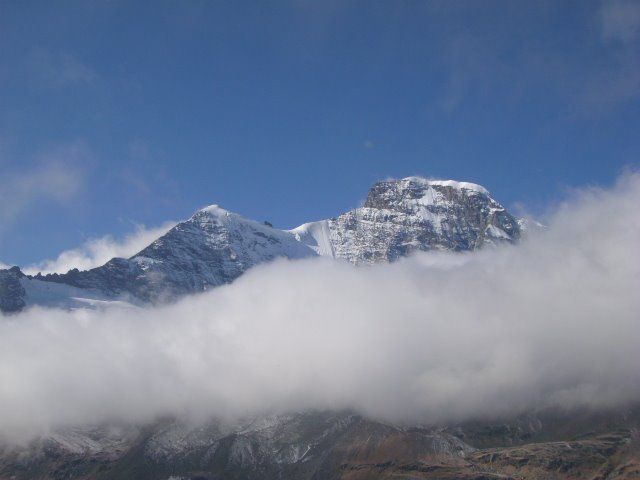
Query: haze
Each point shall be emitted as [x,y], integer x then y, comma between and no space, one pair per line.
[550,323]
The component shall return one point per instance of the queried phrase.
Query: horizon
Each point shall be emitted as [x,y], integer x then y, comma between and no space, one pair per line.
[97,251]
[290,111]
[548,323]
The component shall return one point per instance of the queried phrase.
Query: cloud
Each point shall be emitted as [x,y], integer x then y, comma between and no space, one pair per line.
[619,82]
[472,66]
[58,177]
[141,150]
[60,69]
[98,251]
[494,55]
[552,322]
[3,266]
[621,21]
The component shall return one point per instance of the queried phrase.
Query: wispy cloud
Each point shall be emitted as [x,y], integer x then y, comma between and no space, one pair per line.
[620,82]
[57,177]
[98,251]
[552,322]
[621,20]
[59,69]
[497,57]
[474,66]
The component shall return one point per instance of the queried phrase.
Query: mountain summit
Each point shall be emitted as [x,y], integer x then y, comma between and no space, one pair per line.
[413,214]
[213,247]
[216,246]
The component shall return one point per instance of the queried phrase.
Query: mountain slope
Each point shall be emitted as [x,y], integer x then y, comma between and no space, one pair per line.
[216,246]
[212,248]
[413,214]
[338,445]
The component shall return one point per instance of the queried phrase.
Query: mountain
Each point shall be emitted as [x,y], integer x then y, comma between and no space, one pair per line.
[12,292]
[400,217]
[216,246]
[212,248]
[338,445]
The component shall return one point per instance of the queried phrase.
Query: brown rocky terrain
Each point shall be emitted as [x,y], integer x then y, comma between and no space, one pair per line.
[327,445]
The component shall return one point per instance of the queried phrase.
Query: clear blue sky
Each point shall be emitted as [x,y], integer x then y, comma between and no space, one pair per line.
[114,113]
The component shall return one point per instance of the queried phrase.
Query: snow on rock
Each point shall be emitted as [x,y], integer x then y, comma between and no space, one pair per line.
[216,246]
[213,247]
[317,236]
[403,216]
[448,183]
[60,295]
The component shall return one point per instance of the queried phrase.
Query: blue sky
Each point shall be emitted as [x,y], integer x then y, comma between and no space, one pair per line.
[116,114]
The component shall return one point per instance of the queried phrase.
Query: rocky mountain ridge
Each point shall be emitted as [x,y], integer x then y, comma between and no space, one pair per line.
[400,217]
[216,246]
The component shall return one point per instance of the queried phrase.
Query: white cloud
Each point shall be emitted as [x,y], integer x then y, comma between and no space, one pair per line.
[621,20]
[98,251]
[3,266]
[552,322]
[59,69]
[58,177]
[619,83]
[471,63]
[494,59]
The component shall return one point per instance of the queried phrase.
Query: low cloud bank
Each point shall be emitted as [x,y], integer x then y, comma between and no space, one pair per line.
[57,179]
[98,251]
[553,322]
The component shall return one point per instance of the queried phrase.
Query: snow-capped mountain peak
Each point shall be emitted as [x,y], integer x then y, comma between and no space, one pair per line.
[410,214]
[215,245]
[471,187]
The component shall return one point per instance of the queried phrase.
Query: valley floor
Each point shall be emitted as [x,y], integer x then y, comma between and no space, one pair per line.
[330,445]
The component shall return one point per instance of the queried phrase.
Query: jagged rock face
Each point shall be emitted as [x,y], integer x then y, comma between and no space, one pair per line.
[11,290]
[212,248]
[216,246]
[413,214]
